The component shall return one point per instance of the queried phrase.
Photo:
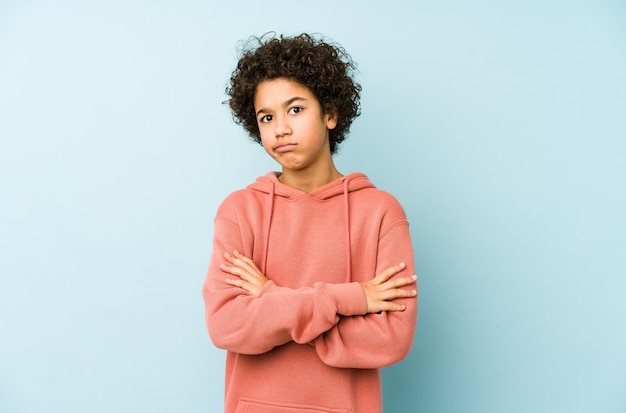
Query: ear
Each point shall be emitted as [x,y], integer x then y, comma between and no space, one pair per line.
[331,119]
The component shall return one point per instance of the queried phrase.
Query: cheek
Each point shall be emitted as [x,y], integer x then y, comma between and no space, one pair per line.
[264,136]
[267,145]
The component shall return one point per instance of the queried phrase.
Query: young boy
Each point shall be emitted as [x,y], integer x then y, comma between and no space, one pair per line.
[310,287]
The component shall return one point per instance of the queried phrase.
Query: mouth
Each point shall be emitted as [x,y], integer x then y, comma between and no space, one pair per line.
[284,147]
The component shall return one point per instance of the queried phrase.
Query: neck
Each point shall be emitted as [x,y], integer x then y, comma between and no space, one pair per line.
[308,180]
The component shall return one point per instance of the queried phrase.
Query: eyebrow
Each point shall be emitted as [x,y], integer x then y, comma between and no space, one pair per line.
[286,103]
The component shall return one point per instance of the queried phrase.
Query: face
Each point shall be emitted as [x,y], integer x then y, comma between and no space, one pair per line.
[294,129]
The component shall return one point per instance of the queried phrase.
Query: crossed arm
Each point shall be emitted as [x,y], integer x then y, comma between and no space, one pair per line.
[380,292]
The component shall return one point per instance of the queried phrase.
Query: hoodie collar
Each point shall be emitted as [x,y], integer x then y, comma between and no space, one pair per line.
[350,183]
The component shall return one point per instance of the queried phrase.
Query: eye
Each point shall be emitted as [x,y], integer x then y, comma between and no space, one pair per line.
[266,118]
[296,109]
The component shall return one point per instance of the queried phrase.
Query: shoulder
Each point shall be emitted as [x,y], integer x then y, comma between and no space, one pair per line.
[363,189]
[236,197]
[233,205]
[378,197]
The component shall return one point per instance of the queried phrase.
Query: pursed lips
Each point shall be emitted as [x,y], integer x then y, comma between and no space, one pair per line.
[284,147]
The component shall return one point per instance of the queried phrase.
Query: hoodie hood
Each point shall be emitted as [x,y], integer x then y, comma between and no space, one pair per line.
[270,185]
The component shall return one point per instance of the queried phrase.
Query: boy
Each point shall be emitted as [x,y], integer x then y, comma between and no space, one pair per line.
[309,286]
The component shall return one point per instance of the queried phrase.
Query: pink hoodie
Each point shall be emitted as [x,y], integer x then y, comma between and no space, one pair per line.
[288,349]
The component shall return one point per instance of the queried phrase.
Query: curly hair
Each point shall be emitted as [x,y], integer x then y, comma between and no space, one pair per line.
[325,68]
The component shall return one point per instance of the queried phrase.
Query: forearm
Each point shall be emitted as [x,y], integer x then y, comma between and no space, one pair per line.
[243,323]
[370,341]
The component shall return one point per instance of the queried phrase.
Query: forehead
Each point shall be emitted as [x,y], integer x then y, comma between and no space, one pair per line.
[277,92]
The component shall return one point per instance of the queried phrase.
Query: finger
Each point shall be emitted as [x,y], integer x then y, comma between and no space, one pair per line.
[389,272]
[235,260]
[391,306]
[238,263]
[241,261]
[238,271]
[391,295]
[399,282]
[226,268]
[247,287]
[232,257]
[247,261]
[250,288]
[236,282]
[244,258]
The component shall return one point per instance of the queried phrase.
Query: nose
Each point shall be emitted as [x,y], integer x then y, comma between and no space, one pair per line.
[282,127]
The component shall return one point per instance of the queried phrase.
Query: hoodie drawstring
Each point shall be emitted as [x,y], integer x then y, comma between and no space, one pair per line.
[346,197]
[347,219]
[268,226]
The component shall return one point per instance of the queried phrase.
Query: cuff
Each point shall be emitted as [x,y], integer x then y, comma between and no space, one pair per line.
[269,287]
[348,297]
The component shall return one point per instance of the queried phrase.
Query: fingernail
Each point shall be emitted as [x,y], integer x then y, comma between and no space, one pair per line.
[414,277]
[235,252]
[402,265]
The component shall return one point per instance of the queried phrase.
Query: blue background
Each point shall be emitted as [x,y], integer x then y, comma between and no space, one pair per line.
[500,126]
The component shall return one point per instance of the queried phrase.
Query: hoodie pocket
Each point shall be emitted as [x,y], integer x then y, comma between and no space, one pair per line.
[247,405]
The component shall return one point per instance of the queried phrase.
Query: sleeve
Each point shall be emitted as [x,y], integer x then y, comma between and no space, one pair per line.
[376,340]
[242,323]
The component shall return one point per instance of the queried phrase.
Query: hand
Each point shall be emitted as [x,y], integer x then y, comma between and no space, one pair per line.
[382,290]
[249,277]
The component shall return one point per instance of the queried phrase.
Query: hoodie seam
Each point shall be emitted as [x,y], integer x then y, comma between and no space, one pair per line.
[232,221]
[392,226]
